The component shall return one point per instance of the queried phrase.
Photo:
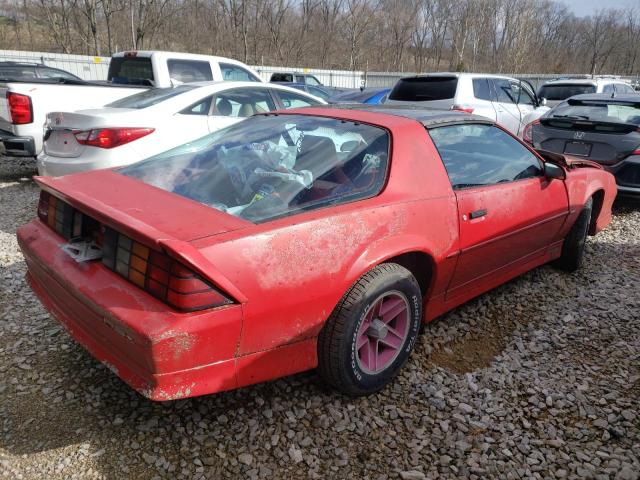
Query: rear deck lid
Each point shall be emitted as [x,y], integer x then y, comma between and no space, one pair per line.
[139,210]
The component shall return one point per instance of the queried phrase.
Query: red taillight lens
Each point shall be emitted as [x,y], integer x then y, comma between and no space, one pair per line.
[160,275]
[20,108]
[462,108]
[110,137]
[527,133]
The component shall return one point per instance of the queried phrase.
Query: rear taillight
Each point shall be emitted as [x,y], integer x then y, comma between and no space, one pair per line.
[158,274]
[20,108]
[527,132]
[62,217]
[462,108]
[110,137]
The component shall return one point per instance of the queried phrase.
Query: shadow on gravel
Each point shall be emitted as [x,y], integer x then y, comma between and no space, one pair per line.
[13,169]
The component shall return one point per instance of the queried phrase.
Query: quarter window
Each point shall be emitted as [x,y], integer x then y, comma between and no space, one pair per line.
[292,100]
[187,71]
[478,155]
[481,89]
[200,108]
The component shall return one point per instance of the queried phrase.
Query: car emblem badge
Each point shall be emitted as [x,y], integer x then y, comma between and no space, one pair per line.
[578,135]
[58,119]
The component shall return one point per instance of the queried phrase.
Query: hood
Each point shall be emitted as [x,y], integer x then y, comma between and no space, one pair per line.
[137,209]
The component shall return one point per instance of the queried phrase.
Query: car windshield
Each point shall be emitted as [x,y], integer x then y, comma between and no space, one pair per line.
[599,112]
[562,92]
[271,166]
[150,97]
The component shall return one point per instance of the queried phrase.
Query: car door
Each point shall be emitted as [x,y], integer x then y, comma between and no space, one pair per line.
[507,111]
[231,106]
[526,102]
[508,211]
[484,98]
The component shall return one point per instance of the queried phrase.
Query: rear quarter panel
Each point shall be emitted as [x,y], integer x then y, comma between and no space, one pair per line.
[295,270]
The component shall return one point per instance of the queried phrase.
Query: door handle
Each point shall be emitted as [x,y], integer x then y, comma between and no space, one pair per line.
[478,213]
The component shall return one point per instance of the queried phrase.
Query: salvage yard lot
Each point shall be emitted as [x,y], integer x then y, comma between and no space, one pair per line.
[539,378]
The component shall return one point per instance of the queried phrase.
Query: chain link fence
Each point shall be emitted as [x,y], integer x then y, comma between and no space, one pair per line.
[96,68]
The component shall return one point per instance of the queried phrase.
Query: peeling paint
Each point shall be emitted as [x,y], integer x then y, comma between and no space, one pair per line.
[178,342]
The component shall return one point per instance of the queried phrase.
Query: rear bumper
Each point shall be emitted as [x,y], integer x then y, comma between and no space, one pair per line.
[162,354]
[17,146]
[93,159]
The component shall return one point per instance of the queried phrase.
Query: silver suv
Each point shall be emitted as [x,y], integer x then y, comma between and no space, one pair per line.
[510,102]
[555,91]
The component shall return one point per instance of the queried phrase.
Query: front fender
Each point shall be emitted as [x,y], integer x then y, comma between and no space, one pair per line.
[584,183]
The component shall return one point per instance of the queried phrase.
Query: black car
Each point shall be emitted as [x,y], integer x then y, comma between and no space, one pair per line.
[25,71]
[598,127]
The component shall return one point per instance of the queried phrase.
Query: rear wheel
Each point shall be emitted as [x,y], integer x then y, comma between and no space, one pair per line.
[573,246]
[371,332]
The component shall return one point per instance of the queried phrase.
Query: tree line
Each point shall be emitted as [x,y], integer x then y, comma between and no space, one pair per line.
[510,36]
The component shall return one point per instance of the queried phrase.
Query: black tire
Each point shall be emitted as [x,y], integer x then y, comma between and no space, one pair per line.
[338,361]
[573,247]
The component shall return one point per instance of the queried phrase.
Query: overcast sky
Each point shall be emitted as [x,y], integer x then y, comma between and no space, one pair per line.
[587,7]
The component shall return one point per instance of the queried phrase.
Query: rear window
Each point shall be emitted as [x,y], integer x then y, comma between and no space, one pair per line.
[150,97]
[564,91]
[598,112]
[131,70]
[424,89]
[273,166]
[281,77]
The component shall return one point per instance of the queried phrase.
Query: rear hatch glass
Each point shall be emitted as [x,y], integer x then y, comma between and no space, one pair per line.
[131,70]
[564,91]
[424,89]
[602,116]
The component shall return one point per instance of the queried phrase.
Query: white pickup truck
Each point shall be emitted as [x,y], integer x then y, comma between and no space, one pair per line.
[24,105]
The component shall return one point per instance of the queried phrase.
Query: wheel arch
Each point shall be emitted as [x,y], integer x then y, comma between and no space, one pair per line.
[598,202]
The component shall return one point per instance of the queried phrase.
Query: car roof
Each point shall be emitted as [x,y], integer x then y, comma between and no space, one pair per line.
[429,117]
[583,81]
[618,98]
[459,75]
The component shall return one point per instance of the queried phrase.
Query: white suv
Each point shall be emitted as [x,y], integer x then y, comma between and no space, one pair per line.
[510,102]
[555,91]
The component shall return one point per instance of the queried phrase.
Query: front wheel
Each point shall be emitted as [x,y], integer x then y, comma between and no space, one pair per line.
[371,332]
[573,246]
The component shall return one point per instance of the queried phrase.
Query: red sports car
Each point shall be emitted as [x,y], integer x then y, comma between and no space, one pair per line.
[316,237]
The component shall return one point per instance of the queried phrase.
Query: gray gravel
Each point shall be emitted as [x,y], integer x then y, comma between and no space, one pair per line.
[537,379]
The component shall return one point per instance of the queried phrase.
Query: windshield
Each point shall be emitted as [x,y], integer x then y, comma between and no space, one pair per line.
[275,165]
[599,112]
[149,98]
[562,92]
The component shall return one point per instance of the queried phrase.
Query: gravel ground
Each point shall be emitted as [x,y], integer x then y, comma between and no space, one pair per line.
[537,379]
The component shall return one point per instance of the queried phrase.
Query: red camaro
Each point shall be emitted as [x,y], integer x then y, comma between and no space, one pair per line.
[317,237]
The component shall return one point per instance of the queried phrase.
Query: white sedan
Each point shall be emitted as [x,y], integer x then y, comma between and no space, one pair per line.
[153,121]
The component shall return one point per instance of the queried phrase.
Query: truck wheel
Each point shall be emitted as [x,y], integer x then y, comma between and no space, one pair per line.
[573,246]
[371,332]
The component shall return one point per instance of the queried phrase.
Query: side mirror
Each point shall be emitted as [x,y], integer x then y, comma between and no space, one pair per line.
[551,171]
[543,102]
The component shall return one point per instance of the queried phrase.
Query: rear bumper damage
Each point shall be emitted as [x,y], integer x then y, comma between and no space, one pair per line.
[162,354]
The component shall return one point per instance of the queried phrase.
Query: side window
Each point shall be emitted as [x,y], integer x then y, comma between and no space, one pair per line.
[609,88]
[293,100]
[300,79]
[186,71]
[522,95]
[201,108]
[243,102]
[478,155]
[481,89]
[311,80]
[503,90]
[53,73]
[236,73]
